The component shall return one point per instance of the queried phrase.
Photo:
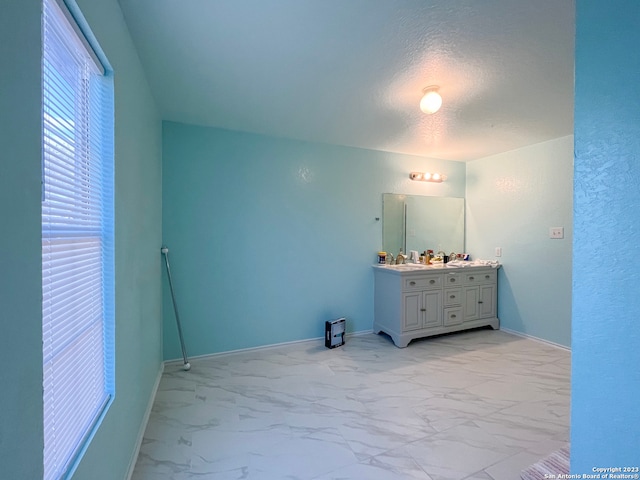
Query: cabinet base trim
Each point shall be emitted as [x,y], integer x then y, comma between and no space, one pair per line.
[401,340]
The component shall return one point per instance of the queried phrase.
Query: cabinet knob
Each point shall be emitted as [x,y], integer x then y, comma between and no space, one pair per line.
[480,301]
[412,283]
[452,296]
[432,282]
[452,279]
[423,309]
[471,278]
[487,277]
[453,315]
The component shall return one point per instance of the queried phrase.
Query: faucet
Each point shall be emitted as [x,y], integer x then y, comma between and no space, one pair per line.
[401,258]
[390,260]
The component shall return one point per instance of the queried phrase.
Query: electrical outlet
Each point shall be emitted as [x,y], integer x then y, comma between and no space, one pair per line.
[498,251]
[556,232]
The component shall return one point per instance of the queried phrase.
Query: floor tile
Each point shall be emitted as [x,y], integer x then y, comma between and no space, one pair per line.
[478,405]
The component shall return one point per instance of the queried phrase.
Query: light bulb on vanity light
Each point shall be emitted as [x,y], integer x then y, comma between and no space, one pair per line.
[431,101]
[427,177]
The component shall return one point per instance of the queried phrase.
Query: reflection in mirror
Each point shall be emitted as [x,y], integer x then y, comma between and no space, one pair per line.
[414,222]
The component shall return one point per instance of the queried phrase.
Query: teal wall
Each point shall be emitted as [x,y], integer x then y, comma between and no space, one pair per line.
[253,222]
[138,210]
[606,305]
[138,238]
[21,440]
[512,200]
[269,237]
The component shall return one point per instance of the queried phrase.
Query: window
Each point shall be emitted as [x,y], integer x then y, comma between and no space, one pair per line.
[77,241]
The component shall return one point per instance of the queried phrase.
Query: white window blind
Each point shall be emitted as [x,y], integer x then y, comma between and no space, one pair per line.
[77,243]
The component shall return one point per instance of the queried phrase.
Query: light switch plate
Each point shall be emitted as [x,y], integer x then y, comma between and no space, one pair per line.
[498,251]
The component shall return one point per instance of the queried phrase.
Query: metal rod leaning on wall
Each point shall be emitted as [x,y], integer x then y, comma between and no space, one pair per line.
[187,365]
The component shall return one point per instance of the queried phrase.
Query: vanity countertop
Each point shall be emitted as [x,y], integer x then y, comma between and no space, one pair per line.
[437,268]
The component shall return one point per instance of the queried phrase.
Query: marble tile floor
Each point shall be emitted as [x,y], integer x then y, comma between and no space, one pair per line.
[477,405]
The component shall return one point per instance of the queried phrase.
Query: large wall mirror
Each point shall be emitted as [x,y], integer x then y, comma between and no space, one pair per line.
[414,222]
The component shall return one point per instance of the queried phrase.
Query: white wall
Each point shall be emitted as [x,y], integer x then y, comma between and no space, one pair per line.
[512,200]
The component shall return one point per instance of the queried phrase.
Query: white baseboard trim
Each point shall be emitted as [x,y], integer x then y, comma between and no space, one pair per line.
[537,339]
[262,347]
[145,421]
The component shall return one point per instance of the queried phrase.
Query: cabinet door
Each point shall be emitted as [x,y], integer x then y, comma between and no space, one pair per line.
[471,297]
[486,301]
[411,314]
[432,308]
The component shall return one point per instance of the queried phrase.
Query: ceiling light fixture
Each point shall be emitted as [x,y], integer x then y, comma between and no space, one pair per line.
[431,101]
[427,177]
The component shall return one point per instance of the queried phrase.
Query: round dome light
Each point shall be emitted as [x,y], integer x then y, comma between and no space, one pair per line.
[432,101]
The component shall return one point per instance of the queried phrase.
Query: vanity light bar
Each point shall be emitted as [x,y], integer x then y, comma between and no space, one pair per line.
[427,177]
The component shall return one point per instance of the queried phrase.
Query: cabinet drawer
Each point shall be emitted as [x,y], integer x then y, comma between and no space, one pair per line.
[451,279]
[422,283]
[488,276]
[452,296]
[452,316]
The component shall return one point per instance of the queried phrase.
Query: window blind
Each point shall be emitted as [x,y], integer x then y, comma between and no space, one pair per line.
[77,243]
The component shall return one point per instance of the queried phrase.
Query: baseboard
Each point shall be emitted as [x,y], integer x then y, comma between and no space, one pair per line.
[263,347]
[348,335]
[537,339]
[145,421]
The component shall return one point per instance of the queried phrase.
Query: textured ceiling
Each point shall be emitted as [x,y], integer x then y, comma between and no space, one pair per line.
[351,72]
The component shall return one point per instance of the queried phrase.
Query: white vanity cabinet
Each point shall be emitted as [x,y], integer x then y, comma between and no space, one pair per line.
[413,302]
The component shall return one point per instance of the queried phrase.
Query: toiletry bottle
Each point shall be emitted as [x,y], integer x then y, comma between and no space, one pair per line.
[429,256]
